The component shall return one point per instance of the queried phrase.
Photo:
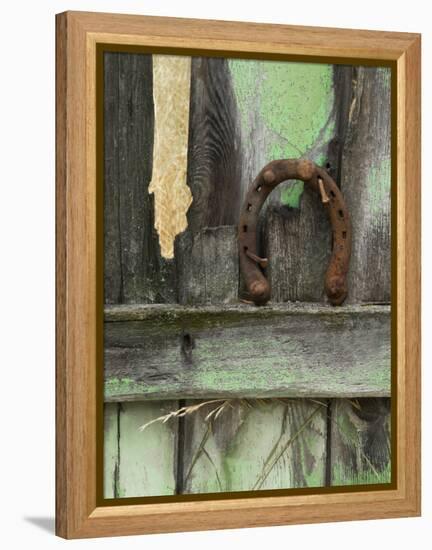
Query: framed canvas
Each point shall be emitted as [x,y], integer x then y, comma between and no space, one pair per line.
[238,274]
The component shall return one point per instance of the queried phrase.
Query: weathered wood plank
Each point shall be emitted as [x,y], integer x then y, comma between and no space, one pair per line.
[360,441]
[135,464]
[111,449]
[366,184]
[206,252]
[147,459]
[207,266]
[214,158]
[255,445]
[239,351]
[113,284]
[134,270]
[361,436]
[297,244]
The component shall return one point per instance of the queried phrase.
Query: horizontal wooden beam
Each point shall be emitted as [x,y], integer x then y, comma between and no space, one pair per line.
[284,350]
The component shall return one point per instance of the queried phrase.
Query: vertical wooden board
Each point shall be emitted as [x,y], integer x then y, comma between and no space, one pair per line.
[366,185]
[360,441]
[297,243]
[214,154]
[291,110]
[360,453]
[207,266]
[111,449]
[134,269]
[113,283]
[255,446]
[147,459]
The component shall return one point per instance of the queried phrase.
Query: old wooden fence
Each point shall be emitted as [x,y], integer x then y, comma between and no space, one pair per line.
[305,387]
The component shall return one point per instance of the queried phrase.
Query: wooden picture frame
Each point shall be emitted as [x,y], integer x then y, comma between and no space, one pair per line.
[78,287]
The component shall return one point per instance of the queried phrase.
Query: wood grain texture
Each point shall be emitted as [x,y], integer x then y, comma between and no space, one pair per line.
[360,441]
[139,463]
[134,269]
[175,352]
[207,266]
[78,514]
[366,185]
[214,167]
[63,512]
[409,168]
[239,37]
[254,446]
[147,459]
[111,449]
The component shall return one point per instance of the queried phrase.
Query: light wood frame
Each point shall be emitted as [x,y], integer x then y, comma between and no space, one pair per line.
[77,512]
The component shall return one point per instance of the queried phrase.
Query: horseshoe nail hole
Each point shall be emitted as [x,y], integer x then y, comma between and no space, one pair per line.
[245,229]
[249,207]
[341,214]
[259,188]
[343,234]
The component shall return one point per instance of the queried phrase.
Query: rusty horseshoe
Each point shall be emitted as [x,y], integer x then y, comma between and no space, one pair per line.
[317,179]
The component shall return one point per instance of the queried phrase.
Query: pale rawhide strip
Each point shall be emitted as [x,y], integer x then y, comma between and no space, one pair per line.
[171,93]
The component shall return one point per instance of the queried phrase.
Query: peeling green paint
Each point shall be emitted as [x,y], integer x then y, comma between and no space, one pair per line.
[275,457]
[291,195]
[293,102]
[122,386]
[146,458]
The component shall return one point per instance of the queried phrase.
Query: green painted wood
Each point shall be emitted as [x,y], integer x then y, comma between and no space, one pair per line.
[286,350]
[254,446]
[286,112]
[361,443]
[111,449]
[147,459]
